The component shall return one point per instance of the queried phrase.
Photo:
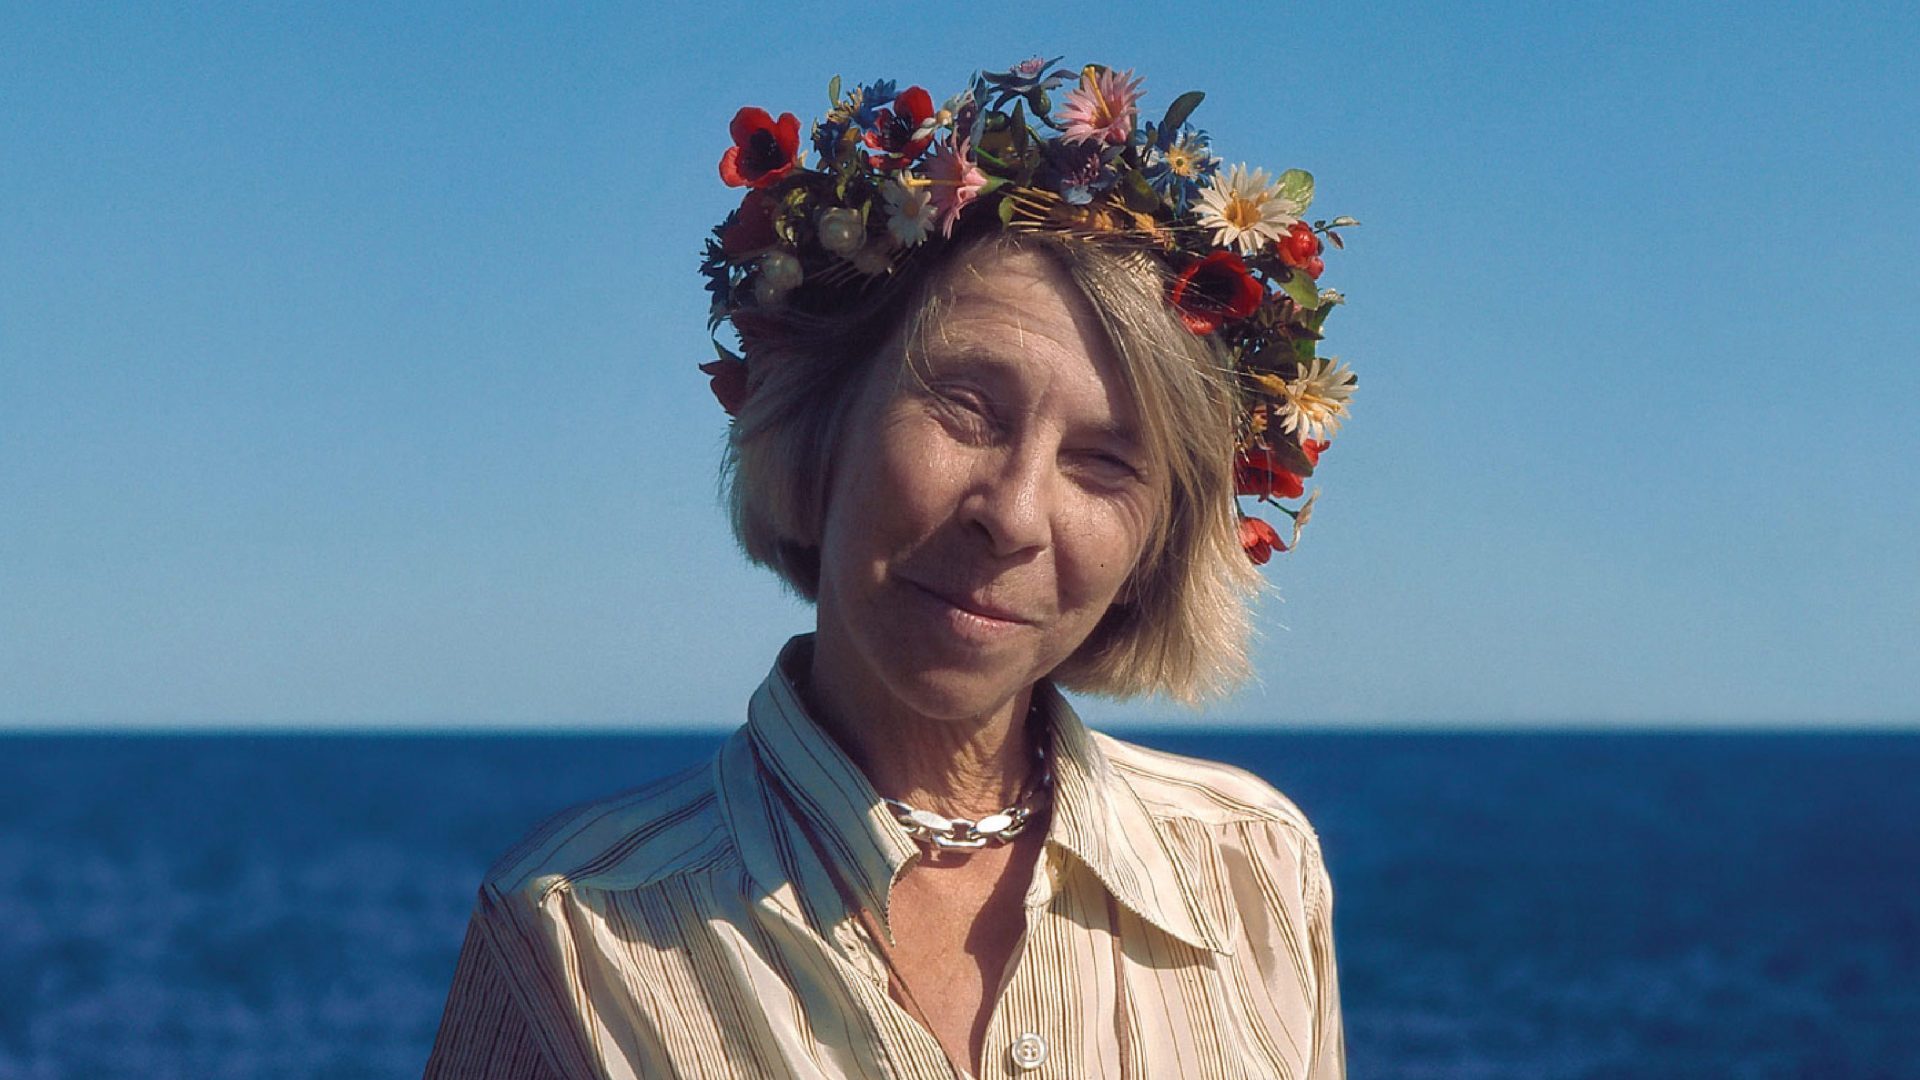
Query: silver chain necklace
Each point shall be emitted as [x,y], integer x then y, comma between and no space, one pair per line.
[951,834]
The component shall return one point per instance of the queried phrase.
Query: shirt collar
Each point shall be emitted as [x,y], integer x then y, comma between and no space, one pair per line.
[1101,820]
[825,818]
[831,821]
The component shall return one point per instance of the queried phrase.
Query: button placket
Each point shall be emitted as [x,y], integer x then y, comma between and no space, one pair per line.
[1013,1027]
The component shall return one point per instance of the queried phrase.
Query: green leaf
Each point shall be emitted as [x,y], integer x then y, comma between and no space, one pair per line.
[1020,133]
[1006,211]
[1265,356]
[1300,287]
[1181,108]
[1296,186]
[1342,223]
[833,93]
[993,184]
[1289,456]
[1139,194]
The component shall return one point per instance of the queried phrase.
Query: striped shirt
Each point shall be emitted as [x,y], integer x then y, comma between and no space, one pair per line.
[1178,925]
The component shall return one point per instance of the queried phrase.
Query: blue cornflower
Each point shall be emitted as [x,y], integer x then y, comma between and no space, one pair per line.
[859,110]
[868,99]
[1178,163]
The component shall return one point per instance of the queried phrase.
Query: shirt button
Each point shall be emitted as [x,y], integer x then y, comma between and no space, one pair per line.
[1029,1051]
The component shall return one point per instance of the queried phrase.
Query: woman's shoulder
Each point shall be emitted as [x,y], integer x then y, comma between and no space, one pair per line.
[623,841]
[1208,792]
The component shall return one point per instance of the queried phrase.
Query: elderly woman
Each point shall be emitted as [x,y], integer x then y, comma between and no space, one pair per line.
[1006,369]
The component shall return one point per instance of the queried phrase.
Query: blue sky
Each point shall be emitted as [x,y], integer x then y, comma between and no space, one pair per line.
[347,355]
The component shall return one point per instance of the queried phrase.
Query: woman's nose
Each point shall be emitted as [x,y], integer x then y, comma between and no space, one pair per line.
[1010,502]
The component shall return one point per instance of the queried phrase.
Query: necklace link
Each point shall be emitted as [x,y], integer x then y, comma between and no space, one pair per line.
[928,827]
[962,834]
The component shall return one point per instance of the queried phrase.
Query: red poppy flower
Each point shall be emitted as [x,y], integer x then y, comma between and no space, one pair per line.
[1215,289]
[729,383]
[1313,448]
[1300,249]
[763,151]
[901,133]
[1258,472]
[1258,540]
[751,229]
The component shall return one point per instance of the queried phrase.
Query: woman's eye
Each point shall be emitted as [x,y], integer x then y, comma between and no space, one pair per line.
[1111,468]
[963,409]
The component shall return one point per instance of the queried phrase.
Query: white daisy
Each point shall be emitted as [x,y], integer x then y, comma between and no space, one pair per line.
[1313,401]
[910,212]
[1246,209]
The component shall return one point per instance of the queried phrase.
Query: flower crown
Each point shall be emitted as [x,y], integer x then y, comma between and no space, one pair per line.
[894,174]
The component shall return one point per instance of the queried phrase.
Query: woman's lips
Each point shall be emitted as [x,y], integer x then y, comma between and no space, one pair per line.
[972,606]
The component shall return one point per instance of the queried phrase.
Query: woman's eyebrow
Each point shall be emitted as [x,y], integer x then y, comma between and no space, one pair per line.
[941,352]
[1120,432]
[938,355]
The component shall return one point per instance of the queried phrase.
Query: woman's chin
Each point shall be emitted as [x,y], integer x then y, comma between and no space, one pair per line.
[954,695]
[945,661]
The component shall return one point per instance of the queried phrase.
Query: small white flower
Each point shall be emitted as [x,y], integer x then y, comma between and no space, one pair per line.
[1314,400]
[1246,209]
[910,212]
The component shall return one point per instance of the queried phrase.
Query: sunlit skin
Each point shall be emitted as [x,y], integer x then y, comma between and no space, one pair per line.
[980,522]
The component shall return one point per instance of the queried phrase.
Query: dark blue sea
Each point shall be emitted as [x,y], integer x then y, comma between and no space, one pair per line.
[1529,906]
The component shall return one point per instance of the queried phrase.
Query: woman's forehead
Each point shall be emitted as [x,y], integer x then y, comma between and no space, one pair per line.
[1016,301]
[993,272]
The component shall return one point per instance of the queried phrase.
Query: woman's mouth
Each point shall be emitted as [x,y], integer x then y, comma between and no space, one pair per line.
[970,609]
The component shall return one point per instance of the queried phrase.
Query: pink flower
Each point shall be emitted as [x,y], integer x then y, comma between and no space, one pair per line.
[1101,107]
[956,181]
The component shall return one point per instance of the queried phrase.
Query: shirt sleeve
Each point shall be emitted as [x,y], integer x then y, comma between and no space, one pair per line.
[1329,1060]
[485,1033]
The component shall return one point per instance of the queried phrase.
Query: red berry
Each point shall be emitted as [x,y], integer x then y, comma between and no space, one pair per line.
[1299,247]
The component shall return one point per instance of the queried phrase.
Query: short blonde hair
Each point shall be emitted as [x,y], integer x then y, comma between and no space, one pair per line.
[1180,624]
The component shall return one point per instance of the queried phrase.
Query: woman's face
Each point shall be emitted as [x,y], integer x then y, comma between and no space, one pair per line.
[981,519]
